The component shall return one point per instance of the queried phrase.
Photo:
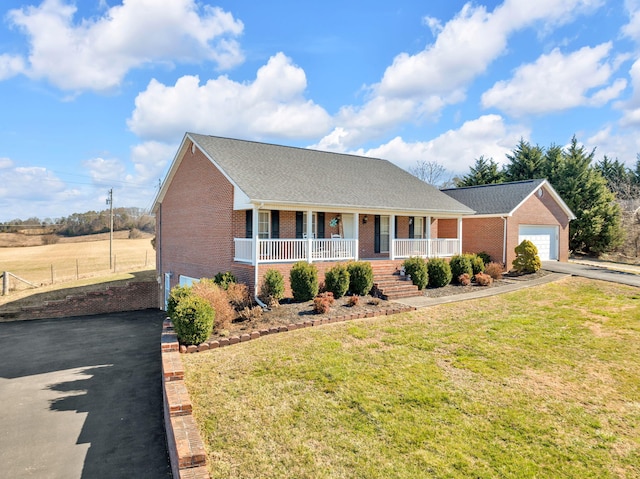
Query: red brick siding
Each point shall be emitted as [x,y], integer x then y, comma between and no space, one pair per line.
[483,234]
[447,228]
[196,227]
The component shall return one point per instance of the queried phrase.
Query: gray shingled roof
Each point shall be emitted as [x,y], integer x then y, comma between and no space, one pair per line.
[281,174]
[495,199]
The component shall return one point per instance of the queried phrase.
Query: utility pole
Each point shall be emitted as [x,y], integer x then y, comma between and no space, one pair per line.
[110,203]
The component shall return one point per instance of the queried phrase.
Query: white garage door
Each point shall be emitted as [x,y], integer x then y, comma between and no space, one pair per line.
[544,237]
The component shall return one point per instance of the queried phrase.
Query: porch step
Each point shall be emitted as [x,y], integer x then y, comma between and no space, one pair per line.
[393,286]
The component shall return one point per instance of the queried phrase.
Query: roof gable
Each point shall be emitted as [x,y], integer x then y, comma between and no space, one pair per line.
[286,175]
[503,199]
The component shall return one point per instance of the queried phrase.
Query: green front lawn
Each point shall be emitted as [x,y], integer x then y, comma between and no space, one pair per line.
[541,383]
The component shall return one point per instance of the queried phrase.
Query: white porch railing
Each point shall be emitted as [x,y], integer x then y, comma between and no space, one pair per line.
[426,248]
[291,250]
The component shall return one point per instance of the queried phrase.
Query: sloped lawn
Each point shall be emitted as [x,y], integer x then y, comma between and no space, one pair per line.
[542,383]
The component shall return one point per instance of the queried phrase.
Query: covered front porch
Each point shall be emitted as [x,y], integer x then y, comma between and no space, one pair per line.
[315,236]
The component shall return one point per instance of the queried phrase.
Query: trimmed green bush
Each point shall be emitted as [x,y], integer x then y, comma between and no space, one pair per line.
[439,273]
[175,296]
[336,280]
[272,288]
[460,264]
[360,277]
[417,268]
[527,259]
[477,263]
[193,320]
[486,257]
[224,279]
[304,281]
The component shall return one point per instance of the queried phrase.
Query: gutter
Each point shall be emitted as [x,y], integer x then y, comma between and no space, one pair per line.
[504,242]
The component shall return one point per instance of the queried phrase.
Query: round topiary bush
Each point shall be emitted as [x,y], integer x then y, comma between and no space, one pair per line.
[486,257]
[193,320]
[417,268]
[175,296]
[272,289]
[336,280]
[527,259]
[439,273]
[360,277]
[304,281]
[460,264]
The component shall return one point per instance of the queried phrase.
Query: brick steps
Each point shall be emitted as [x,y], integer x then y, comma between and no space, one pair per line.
[390,285]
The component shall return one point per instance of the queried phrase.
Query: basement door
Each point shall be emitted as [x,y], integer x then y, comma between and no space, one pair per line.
[544,237]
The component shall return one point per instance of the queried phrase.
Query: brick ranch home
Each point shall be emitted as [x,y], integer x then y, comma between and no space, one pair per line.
[247,207]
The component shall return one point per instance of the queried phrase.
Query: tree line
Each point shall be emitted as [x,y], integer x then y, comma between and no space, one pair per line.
[90,222]
[604,195]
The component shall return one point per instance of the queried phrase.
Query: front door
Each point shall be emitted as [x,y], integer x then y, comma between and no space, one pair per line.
[347,226]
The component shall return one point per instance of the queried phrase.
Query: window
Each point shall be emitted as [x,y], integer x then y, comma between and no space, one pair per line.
[418,227]
[314,224]
[384,234]
[264,224]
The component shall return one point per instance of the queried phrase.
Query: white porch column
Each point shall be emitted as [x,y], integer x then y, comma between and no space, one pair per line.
[256,237]
[460,234]
[392,236]
[356,234]
[309,229]
[428,236]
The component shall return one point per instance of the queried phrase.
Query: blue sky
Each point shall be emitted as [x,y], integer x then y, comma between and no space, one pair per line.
[97,94]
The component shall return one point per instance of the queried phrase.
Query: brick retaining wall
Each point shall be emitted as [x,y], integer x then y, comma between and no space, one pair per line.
[133,296]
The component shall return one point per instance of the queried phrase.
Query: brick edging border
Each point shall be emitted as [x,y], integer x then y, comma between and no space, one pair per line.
[222,342]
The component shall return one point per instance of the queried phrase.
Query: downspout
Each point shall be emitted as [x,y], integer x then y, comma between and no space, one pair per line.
[255,287]
[161,279]
[504,242]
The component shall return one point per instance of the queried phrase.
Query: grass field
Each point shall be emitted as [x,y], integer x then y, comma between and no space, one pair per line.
[63,261]
[542,383]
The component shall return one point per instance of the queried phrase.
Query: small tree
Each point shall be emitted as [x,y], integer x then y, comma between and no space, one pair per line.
[527,259]
[304,281]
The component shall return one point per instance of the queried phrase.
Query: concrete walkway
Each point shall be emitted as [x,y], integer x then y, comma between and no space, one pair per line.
[603,271]
[514,285]
[82,398]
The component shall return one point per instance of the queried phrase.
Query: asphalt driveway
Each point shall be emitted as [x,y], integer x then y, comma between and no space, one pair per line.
[82,398]
[593,272]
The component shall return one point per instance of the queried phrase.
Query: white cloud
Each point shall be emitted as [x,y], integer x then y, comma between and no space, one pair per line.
[271,106]
[632,29]
[32,183]
[150,159]
[456,150]
[5,163]
[557,82]
[419,86]
[621,146]
[96,54]
[10,65]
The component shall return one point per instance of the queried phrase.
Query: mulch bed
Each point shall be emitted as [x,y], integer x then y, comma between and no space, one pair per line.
[291,313]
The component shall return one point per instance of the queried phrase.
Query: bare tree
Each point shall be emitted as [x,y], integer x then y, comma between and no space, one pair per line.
[430,172]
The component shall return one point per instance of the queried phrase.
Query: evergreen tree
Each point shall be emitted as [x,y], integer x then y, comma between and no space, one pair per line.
[526,162]
[483,172]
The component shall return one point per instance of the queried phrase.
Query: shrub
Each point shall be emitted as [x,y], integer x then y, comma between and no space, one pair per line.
[247,313]
[193,320]
[336,280]
[304,281]
[477,263]
[175,296]
[417,268]
[484,279]
[353,300]
[323,302]
[374,301]
[460,264]
[464,279]
[494,270]
[224,279]
[135,233]
[272,289]
[238,296]
[360,277]
[218,299]
[527,259]
[486,257]
[50,239]
[439,273]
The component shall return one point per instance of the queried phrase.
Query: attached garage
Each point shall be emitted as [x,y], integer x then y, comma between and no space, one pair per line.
[545,238]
